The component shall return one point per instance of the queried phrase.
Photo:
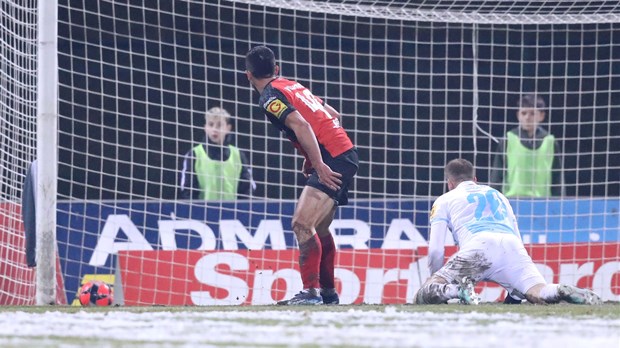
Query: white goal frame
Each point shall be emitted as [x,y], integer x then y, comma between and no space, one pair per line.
[47,151]
[48,101]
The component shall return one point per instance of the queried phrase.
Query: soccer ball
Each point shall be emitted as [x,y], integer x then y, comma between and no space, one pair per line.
[96,293]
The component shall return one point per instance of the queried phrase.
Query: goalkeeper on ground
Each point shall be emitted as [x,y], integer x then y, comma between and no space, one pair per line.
[484,227]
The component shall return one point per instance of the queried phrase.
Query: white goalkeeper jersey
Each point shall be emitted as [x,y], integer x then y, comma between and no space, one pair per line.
[490,247]
[471,208]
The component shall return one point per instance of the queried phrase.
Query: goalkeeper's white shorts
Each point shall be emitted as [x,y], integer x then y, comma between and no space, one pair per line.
[496,257]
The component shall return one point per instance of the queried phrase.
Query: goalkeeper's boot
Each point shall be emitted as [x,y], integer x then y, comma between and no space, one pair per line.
[467,294]
[304,298]
[573,294]
[330,296]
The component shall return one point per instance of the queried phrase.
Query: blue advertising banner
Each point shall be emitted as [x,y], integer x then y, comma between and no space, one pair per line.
[89,233]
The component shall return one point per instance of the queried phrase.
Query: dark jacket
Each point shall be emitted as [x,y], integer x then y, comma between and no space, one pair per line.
[29,217]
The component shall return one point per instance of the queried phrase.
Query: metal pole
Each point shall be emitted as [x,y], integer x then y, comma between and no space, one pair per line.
[47,150]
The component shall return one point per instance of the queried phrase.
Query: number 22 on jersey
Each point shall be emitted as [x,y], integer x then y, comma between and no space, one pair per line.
[491,201]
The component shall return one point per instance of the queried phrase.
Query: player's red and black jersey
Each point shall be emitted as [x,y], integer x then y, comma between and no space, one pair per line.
[281,97]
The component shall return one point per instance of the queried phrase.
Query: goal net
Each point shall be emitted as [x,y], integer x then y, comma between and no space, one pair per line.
[417,83]
[18,144]
[18,107]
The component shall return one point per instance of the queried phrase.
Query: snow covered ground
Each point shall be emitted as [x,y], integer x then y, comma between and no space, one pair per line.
[389,326]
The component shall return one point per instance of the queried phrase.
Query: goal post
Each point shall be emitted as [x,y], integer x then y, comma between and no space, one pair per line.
[417,84]
[47,151]
[17,143]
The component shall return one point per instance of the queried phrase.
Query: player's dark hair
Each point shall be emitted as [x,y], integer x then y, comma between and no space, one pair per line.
[459,170]
[261,62]
[531,101]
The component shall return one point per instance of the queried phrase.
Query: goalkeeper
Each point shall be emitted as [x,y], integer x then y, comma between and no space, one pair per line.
[330,163]
[490,247]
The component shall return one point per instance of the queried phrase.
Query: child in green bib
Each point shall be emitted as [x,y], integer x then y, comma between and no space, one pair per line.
[216,169]
[527,162]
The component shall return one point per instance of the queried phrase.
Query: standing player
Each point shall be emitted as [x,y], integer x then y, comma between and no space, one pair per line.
[330,162]
[490,247]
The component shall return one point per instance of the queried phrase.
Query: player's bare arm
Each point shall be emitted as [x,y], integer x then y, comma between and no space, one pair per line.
[436,246]
[307,166]
[307,139]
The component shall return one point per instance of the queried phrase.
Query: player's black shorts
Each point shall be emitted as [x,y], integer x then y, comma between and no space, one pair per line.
[345,164]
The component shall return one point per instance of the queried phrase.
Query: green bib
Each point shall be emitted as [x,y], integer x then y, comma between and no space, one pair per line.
[528,170]
[218,179]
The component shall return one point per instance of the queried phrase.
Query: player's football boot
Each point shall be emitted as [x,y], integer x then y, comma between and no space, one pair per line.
[573,294]
[512,300]
[305,297]
[330,296]
[467,294]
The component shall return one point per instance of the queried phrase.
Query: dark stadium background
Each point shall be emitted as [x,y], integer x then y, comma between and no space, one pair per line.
[131,147]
